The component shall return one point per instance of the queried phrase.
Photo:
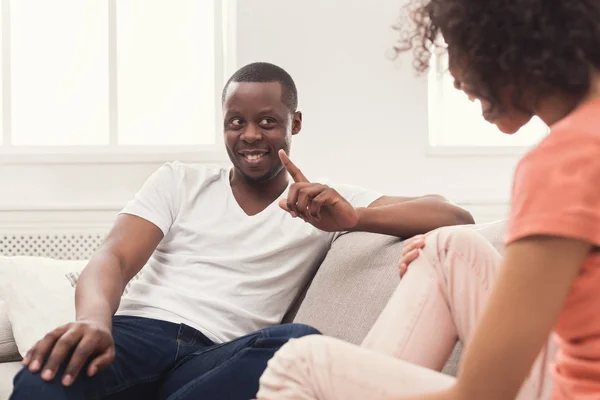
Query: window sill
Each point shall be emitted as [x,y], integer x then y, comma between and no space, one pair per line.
[136,155]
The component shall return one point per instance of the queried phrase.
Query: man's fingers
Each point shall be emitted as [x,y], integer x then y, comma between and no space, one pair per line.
[63,346]
[37,354]
[27,359]
[82,353]
[101,362]
[305,197]
[292,198]
[314,209]
[283,205]
[318,202]
[305,200]
[291,168]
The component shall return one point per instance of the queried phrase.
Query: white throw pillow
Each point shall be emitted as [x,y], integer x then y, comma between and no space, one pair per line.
[8,346]
[37,296]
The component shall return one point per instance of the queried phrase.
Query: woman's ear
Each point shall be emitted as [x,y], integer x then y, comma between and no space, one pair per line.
[296,123]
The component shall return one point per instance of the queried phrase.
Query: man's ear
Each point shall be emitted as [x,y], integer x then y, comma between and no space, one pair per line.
[296,123]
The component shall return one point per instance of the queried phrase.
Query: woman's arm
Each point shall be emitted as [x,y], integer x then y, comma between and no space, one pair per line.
[528,296]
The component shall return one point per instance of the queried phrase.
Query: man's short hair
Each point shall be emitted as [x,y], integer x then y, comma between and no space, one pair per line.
[266,72]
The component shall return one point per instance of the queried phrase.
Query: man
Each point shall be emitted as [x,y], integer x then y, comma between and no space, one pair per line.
[222,264]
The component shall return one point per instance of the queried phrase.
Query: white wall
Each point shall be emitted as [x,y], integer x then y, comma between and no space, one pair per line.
[365,120]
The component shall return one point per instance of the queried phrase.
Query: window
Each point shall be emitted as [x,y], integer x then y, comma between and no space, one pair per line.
[456,124]
[111,77]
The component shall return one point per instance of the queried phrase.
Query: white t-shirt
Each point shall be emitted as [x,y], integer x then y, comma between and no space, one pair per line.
[217,269]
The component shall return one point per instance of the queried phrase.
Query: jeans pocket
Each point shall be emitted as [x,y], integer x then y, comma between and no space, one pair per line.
[191,337]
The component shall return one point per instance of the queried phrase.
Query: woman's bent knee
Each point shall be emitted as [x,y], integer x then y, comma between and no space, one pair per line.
[288,373]
[455,236]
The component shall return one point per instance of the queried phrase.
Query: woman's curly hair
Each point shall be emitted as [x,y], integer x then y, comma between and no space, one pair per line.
[543,46]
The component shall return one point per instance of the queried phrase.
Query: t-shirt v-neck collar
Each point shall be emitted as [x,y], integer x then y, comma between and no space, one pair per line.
[239,208]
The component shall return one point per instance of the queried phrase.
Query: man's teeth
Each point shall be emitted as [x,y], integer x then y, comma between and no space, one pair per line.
[254,156]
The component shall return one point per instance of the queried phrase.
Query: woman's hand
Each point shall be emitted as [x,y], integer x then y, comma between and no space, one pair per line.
[410,252]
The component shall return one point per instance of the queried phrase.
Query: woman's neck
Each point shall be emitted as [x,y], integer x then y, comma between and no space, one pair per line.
[555,108]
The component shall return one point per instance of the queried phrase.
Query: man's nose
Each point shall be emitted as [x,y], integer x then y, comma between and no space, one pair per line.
[251,134]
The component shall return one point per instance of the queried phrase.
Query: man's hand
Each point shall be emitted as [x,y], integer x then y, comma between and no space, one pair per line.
[84,339]
[410,252]
[319,205]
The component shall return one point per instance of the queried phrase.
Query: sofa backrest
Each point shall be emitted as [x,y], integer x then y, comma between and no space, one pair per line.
[348,292]
[352,286]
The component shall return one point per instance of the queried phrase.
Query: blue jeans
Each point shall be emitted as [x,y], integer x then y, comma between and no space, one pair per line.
[162,360]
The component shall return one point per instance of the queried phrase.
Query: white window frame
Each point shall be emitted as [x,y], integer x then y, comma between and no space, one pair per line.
[435,105]
[225,64]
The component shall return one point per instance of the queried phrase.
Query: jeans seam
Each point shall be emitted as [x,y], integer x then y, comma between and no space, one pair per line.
[191,385]
[415,316]
[204,351]
[177,352]
[472,267]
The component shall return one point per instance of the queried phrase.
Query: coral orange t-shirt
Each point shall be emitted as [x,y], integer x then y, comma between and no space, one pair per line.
[556,192]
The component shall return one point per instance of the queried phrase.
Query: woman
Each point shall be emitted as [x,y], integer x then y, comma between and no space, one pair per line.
[520,58]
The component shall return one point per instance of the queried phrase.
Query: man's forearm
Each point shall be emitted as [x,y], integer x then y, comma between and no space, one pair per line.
[99,289]
[413,217]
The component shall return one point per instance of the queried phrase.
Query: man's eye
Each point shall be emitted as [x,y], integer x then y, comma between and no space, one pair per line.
[236,122]
[266,121]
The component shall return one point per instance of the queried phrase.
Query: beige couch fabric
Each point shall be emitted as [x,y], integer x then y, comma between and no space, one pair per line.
[352,286]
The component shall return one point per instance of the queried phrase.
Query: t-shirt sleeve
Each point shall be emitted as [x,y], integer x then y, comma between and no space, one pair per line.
[156,201]
[556,190]
[356,195]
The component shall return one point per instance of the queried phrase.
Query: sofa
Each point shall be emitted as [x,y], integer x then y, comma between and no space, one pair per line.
[347,293]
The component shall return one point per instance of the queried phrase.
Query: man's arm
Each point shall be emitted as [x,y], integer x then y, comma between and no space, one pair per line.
[125,251]
[409,216]
[127,248]
[530,293]
[326,209]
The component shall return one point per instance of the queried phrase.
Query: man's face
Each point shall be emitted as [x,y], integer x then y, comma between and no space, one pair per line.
[256,126]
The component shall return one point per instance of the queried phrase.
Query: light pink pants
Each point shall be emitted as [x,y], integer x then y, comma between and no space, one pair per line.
[438,302]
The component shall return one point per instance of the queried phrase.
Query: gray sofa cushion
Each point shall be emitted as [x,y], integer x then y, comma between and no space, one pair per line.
[352,286]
